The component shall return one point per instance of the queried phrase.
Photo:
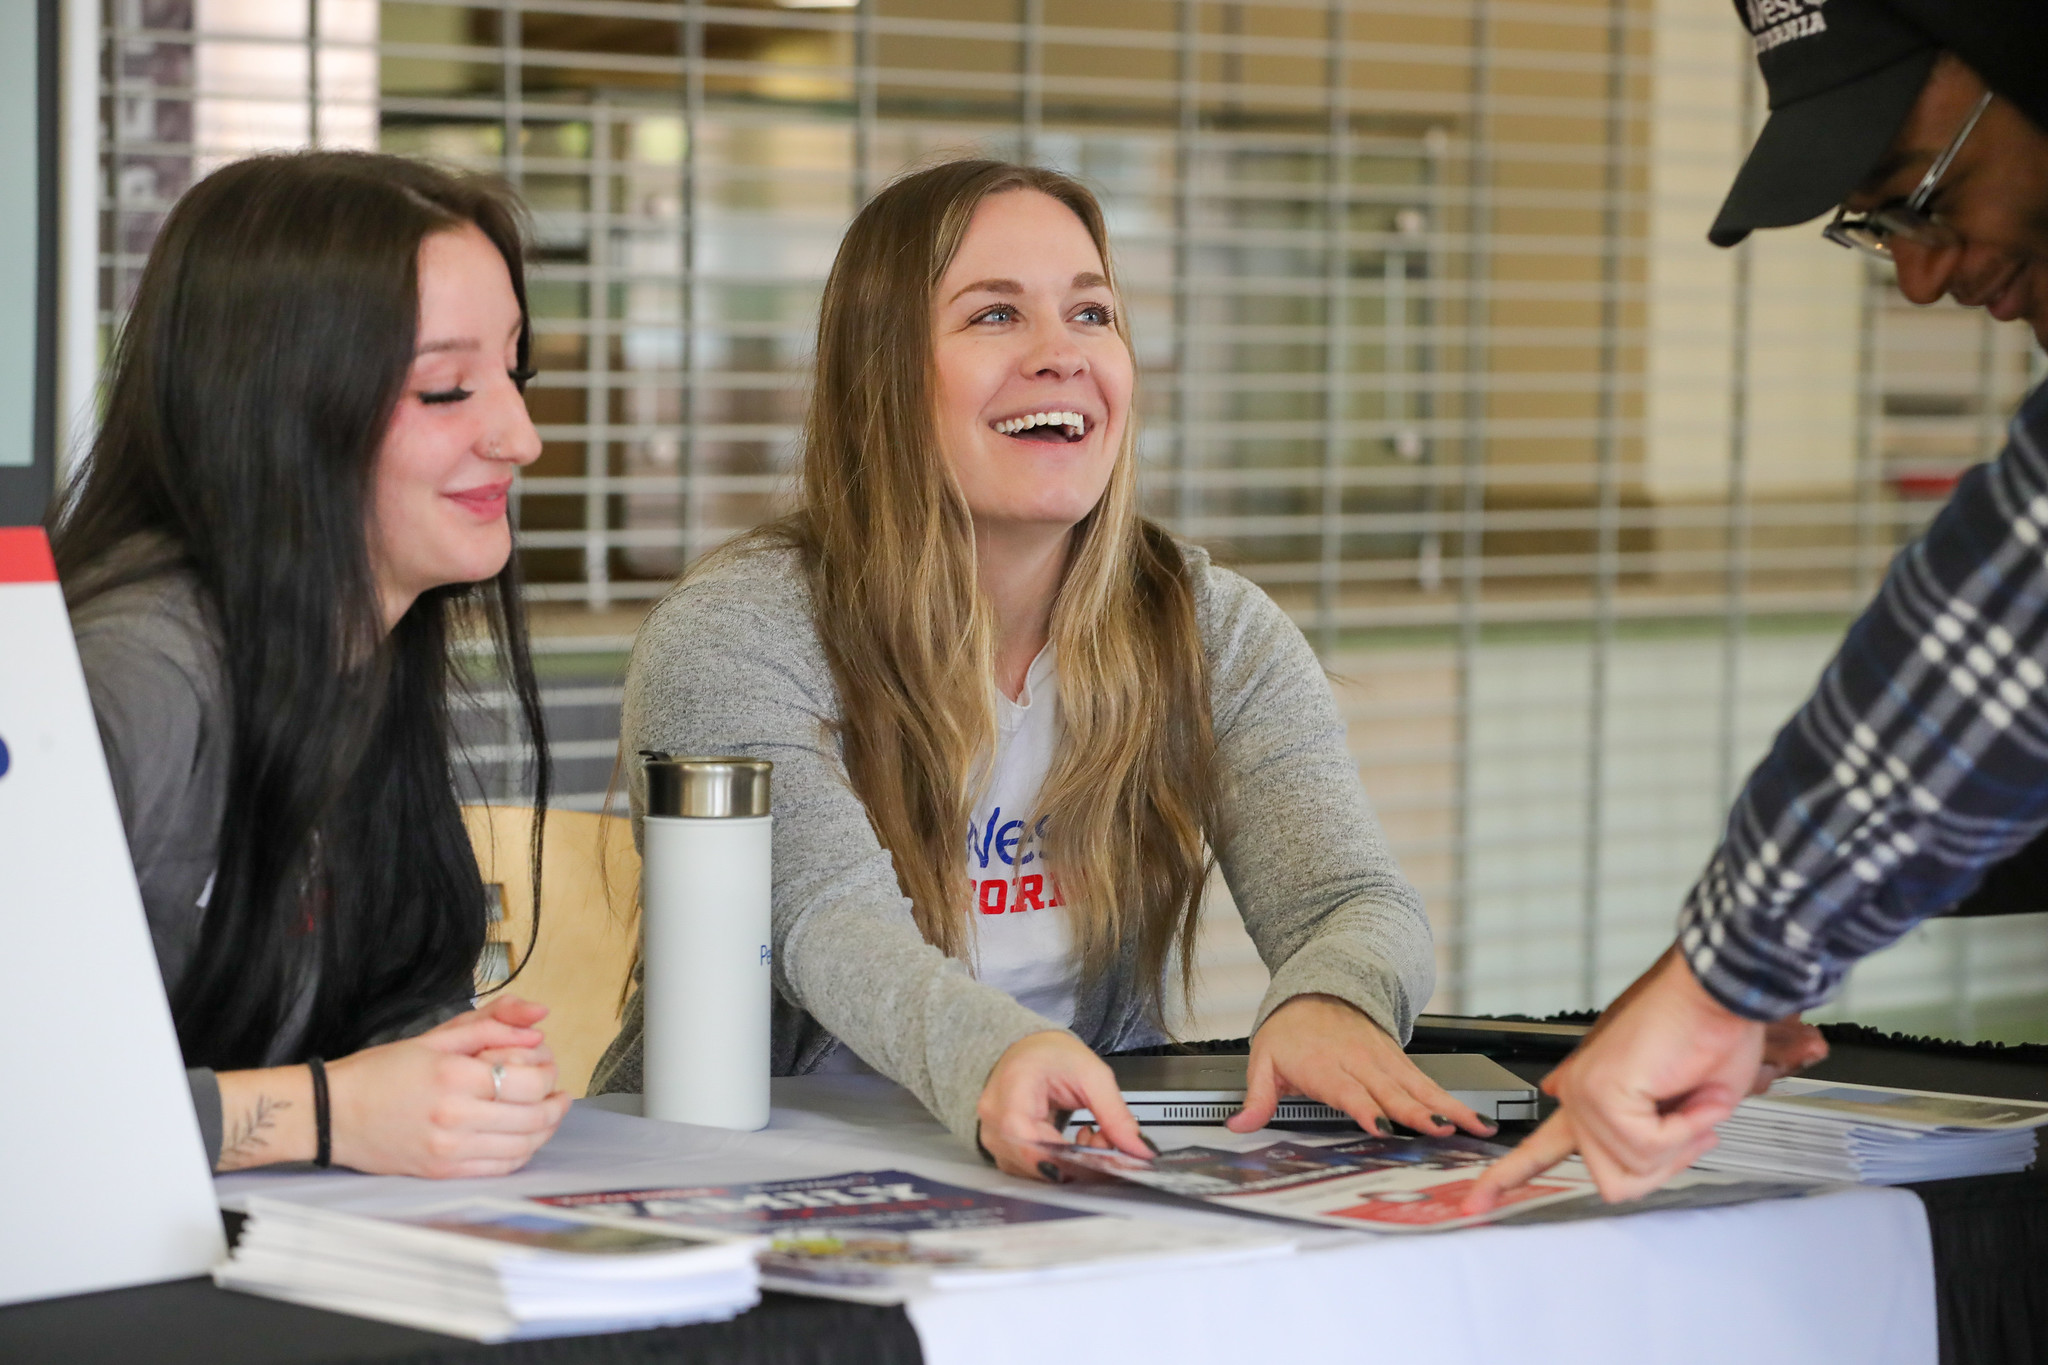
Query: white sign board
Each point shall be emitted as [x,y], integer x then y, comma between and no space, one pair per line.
[103,1181]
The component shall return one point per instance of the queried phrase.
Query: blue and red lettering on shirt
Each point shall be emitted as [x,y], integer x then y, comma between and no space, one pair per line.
[1033,891]
[1005,844]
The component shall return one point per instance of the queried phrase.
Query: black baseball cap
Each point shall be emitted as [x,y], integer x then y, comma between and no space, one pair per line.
[1842,76]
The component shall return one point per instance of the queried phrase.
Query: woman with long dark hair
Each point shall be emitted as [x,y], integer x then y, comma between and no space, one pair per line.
[967,627]
[295,506]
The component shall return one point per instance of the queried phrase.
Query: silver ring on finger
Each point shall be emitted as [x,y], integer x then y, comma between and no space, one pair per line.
[497,1080]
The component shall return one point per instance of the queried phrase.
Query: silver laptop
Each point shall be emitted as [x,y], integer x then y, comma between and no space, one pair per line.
[1190,1089]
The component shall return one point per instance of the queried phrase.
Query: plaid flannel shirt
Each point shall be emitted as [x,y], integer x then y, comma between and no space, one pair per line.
[1919,762]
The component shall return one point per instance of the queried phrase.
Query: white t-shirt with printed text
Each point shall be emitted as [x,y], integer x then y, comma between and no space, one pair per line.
[1023,942]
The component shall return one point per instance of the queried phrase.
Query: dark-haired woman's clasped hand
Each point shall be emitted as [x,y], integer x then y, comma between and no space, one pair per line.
[431,1105]
[1328,1050]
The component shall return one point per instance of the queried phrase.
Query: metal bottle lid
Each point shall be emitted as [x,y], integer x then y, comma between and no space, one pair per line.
[699,788]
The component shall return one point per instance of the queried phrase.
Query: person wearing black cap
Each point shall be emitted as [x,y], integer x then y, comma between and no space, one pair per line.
[1921,761]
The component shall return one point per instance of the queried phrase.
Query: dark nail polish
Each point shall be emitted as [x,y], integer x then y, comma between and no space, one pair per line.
[1439,1120]
[1050,1172]
[1149,1143]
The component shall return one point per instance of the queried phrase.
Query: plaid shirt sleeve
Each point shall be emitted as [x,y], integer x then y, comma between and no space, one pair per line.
[1919,762]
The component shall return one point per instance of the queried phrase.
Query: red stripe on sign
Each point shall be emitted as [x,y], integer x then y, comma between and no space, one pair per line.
[25,555]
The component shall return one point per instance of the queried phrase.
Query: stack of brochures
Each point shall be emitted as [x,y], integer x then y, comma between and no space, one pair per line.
[491,1270]
[1875,1135]
[884,1236]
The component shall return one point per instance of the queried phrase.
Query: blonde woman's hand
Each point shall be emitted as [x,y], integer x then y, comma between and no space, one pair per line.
[1323,1048]
[428,1106]
[1038,1077]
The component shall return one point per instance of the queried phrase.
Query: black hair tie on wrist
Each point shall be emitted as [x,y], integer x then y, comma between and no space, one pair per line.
[323,1116]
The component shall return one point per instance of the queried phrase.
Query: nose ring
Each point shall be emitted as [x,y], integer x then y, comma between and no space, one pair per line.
[496,451]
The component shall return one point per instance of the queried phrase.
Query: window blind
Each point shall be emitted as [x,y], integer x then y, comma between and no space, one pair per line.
[1431,347]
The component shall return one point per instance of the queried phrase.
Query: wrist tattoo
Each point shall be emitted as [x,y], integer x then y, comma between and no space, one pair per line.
[243,1140]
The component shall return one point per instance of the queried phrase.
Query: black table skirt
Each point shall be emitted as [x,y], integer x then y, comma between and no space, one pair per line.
[189,1322]
[1990,1234]
[1990,1266]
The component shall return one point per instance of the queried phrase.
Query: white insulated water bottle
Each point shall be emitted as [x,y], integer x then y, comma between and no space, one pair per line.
[704,897]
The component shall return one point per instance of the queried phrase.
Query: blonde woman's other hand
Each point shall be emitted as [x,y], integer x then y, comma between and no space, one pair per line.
[1038,1079]
[1326,1049]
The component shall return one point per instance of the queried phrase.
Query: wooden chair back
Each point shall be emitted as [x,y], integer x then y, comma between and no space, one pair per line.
[590,882]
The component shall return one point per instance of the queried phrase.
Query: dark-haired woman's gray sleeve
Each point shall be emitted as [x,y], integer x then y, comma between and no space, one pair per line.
[1320,893]
[158,709]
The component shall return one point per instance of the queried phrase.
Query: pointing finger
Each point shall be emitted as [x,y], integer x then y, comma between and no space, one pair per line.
[1551,1143]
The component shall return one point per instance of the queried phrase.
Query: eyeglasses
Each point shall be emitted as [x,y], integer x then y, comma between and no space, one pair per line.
[1871,233]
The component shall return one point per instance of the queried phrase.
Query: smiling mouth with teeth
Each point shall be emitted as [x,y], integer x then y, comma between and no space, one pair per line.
[1067,427]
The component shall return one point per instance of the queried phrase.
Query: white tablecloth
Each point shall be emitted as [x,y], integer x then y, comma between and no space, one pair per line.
[1844,1276]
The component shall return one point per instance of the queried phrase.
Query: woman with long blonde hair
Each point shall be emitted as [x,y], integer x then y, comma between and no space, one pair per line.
[967,627]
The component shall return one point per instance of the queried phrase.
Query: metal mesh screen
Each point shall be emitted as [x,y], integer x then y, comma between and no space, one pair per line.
[1431,347]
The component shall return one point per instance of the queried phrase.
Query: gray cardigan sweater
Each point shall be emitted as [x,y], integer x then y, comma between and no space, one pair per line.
[730,663]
